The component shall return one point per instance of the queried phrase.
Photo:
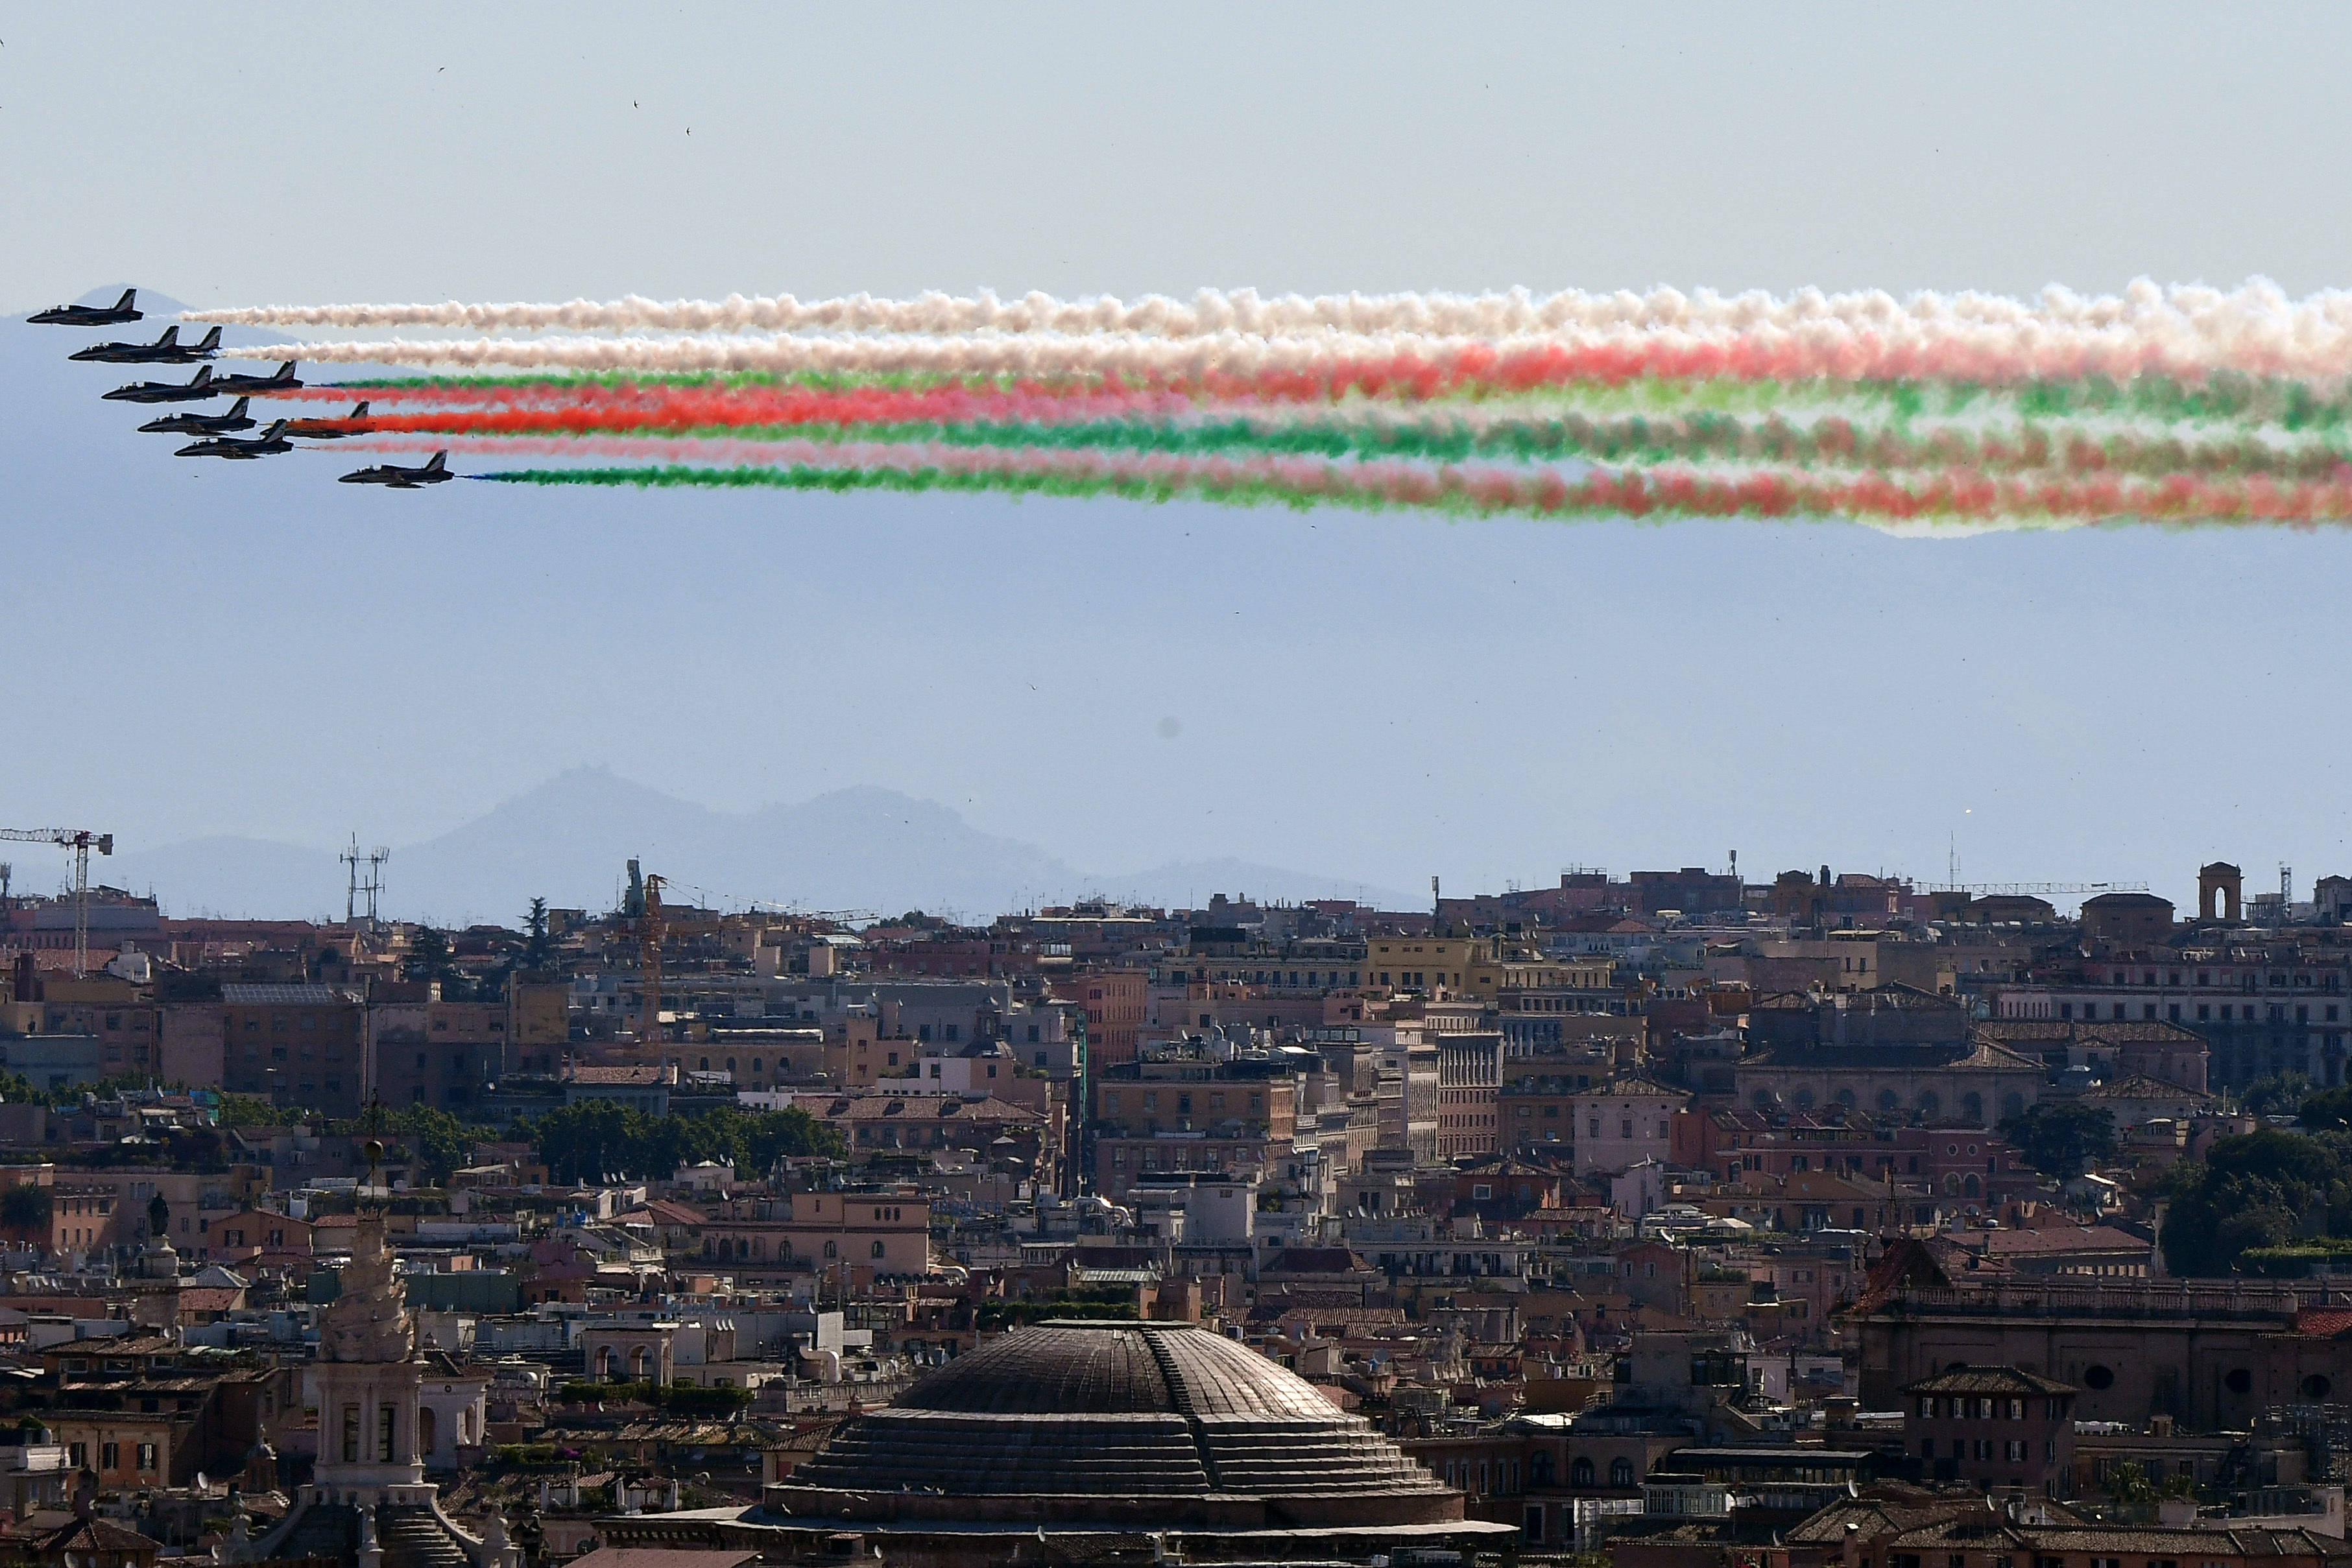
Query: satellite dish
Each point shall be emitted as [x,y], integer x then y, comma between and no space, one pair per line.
[202,1484]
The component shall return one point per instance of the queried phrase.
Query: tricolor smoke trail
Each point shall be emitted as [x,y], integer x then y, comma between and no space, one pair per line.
[2180,406]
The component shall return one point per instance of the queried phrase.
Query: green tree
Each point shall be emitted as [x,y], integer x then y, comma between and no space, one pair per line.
[2263,1189]
[2126,1482]
[248,1111]
[584,1141]
[24,1212]
[2061,1139]
[2328,1110]
[597,1137]
[440,1140]
[2276,1094]
[428,955]
[538,950]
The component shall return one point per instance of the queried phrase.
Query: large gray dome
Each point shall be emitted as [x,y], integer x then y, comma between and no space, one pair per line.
[1110,1422]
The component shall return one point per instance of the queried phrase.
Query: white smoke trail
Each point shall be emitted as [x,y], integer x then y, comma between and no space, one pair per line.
[2258,309]
[2279,343]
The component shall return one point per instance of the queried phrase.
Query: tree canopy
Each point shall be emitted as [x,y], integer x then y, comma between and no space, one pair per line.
[249,1111]
[24,1212]
[2059,1140]
[597,1137]
[439,1140]
[2276,1094]
[2260,1190]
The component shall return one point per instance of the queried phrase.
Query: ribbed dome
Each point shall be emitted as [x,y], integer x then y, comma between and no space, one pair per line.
[1117,1369]
[1103,1420]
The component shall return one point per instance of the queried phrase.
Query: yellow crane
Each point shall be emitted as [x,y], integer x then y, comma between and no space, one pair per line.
[80,841]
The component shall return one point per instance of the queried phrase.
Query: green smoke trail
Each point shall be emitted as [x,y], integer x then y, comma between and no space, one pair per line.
[1650,441]
[1698,436]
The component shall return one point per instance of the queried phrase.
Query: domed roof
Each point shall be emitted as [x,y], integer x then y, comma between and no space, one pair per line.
[1084,1368]
[1111,1422]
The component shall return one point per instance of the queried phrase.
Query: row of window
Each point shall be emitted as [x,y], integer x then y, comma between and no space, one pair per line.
[1110,1101]
[2278,978]
[2247,1012]
[109,1456]
[1979,1407]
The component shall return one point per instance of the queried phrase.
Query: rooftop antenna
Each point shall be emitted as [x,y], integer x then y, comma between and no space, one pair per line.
[1437,910]
[6,872]
[361,885]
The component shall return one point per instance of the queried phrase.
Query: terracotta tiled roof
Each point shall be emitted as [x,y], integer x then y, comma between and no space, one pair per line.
[2062,1238]
[1987,1380]
[625,1076]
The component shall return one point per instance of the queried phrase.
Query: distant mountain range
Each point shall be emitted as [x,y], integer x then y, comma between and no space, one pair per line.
[568,840]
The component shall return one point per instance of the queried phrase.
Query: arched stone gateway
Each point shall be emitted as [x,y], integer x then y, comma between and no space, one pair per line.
[1096,1430]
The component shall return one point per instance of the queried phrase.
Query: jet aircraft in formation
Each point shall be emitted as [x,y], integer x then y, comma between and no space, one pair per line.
[166,350]
[352,424]
[202,423]
[122,310]
[239,381]
[399,478]
[269,443]
[195,389]
[214,431]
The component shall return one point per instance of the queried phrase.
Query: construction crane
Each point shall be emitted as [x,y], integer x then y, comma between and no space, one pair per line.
[82,841]
[650,941]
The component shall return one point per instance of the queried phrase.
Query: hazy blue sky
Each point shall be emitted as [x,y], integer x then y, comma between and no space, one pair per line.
[262,653]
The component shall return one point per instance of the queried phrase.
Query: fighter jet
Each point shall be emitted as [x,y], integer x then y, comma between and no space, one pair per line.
[166,350]
[239,381]
[91,315]
[202,424]
[352,424]
[268,444]
[202,387]
[399,478]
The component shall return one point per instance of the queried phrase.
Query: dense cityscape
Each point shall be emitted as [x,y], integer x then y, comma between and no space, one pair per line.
[1676,1218]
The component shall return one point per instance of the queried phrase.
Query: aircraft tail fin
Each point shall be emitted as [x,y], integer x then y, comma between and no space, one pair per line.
[129,297]
[237,409]
[170,339]
[211,339]
[285,371]
[203,377]
[276,428]
[359,413]
[440,461]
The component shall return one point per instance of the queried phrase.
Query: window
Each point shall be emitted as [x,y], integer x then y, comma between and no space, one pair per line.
[383,1434]
[146,1456]
[109,1456]
[351,1434]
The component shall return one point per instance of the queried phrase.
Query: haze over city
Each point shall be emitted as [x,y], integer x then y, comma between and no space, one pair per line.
[1047,787]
